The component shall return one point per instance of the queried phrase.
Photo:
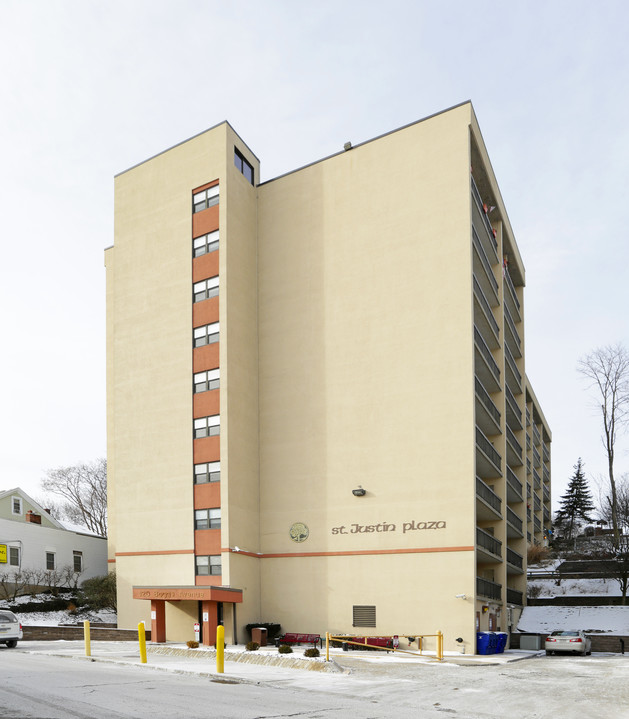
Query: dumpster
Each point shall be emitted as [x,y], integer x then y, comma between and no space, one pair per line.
[485,643]
[258,634]
[501,641]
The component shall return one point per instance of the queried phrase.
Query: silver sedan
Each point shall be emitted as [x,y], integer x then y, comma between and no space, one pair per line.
[574,642]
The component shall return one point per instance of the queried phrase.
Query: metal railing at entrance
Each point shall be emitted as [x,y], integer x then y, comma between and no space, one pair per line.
[347,639]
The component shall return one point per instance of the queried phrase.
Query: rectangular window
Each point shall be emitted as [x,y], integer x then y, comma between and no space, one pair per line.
[208,472]
[16,505]
[208,565]
[206,335]
[204,381]
[243,166]
[207,426]
[50,560]
[363,615]
[206,243]
[204,199]
[78,561]
[207,518]
[14,556]
[205,289]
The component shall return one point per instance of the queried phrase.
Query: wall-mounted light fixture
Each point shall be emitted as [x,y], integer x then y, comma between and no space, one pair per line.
[360,492]
[460,596]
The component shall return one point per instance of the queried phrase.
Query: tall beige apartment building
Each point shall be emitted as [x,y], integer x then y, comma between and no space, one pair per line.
[318,412]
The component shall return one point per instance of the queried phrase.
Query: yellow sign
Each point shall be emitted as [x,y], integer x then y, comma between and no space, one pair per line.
[3,553]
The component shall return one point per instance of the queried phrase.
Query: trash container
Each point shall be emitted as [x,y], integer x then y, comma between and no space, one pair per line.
[485,643]
[258,634]
[501,641]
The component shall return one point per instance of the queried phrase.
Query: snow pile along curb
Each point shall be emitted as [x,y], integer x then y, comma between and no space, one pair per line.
[275,660]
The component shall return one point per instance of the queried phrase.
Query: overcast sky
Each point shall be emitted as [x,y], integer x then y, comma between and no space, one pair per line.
[90,88]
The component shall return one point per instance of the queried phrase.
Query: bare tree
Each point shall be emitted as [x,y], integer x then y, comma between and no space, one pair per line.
[607,368]
[83,491]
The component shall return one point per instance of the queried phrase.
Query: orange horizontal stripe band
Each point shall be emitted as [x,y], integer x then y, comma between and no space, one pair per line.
[157,553]
[111,561]
[416,550]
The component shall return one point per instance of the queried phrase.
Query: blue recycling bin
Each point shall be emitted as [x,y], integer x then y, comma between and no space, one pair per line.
[501,642]
[485,643]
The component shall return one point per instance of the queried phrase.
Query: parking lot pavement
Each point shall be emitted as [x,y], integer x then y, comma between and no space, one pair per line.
[539,686]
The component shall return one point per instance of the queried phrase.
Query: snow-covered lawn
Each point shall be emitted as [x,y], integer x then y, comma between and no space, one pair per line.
[607,620]
[53,619]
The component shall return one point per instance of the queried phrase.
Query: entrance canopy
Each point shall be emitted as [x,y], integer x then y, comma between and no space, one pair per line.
[208,597]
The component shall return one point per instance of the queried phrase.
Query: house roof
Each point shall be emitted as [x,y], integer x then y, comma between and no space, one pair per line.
[40,510]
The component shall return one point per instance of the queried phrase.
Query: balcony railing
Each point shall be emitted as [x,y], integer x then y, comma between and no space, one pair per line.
[537,525]
[537,438]
[513,405]
[546,474]
[484,259]
[484,491]
[514,481]
[514,558]
[514,597]
[515,445]
[546,517]
[546,495]
[486,400]
[488,542]
[536,479]
[479,202]
[537,461]
[528,466]
[486,588]
[528,417]
[488,449]
[512,292]
[537,505]
[480,295]
[486,353]
[513,519]
[512,327]
[546,454]
[513,367]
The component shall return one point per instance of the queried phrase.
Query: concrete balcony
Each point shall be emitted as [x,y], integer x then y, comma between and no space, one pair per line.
[515,562]
[488,460]
[488,589]
[515,526]
[488,503]
[514,487]
[488,548]
[514,597]
[485,365]
[487,414]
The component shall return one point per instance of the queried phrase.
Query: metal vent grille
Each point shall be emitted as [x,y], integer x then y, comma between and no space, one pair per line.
[363,615]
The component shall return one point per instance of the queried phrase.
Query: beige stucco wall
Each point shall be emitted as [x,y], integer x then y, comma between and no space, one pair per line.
[366,358]
[149,360]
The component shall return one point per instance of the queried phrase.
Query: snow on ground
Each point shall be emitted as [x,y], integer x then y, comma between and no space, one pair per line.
[53,619]
[575,587]
[608,620]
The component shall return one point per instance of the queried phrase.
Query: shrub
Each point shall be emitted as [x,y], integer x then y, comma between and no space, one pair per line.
[536,554]
[252,646]
[191,644]
[284,649]
[100,592]
[533,591]
[311,652]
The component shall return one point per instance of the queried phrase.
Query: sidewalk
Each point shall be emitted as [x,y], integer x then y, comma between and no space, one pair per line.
[265,665]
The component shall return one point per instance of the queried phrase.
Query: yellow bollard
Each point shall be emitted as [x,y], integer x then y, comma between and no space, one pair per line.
[86,636]
[142,640]
[220,649]
[327,646]
[439,645]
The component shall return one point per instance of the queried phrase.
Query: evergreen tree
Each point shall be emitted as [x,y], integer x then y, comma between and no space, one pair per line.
[576,503]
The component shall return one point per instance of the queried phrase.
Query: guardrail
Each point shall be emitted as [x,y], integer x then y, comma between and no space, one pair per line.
[345,639]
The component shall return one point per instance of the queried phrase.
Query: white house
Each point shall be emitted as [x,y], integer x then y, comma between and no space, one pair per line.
[32,541]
